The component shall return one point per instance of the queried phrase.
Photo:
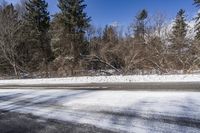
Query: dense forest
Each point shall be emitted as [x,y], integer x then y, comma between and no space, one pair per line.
[34,43]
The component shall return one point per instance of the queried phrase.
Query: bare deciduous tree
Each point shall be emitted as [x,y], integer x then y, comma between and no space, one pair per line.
[9,36]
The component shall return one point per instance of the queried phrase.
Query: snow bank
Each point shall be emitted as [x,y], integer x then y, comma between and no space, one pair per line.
[105,79]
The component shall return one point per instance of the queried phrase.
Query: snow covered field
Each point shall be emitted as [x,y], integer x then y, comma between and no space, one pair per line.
[105,79]
[120,111]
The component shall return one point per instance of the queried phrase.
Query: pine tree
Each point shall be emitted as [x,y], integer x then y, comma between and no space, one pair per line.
[38,21]
[139,28]
[75,22]
[37,15]
[179,31]
[197,3]
[197,26]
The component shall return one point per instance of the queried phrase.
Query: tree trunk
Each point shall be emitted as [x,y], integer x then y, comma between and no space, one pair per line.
[15,70]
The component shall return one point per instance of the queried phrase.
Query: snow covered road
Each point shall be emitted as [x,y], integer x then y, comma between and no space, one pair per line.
[120,111]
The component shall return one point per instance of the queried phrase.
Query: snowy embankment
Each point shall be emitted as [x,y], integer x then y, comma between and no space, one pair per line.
[105,79]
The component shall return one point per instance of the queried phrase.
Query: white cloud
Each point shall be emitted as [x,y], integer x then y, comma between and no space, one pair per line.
[115,24]
[168,28]
[191,29]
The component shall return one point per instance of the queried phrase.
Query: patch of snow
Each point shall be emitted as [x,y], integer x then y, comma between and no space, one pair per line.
[105,79]
[120,111]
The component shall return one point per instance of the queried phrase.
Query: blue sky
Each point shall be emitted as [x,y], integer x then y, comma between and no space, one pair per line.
[123,11]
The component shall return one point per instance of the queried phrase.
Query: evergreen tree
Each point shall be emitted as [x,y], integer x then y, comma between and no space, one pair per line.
[197,26]
[197,3]
[37,20]
[75,22]
[179,31]
[139,28]
[37,15]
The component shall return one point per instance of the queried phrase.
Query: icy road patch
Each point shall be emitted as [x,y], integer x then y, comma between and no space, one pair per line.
[120,111]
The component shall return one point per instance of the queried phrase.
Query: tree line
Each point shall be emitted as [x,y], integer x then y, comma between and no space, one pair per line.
[32,42]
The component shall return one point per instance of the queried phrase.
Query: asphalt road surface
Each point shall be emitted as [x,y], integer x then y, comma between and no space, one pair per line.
[111,110]
[136,86]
